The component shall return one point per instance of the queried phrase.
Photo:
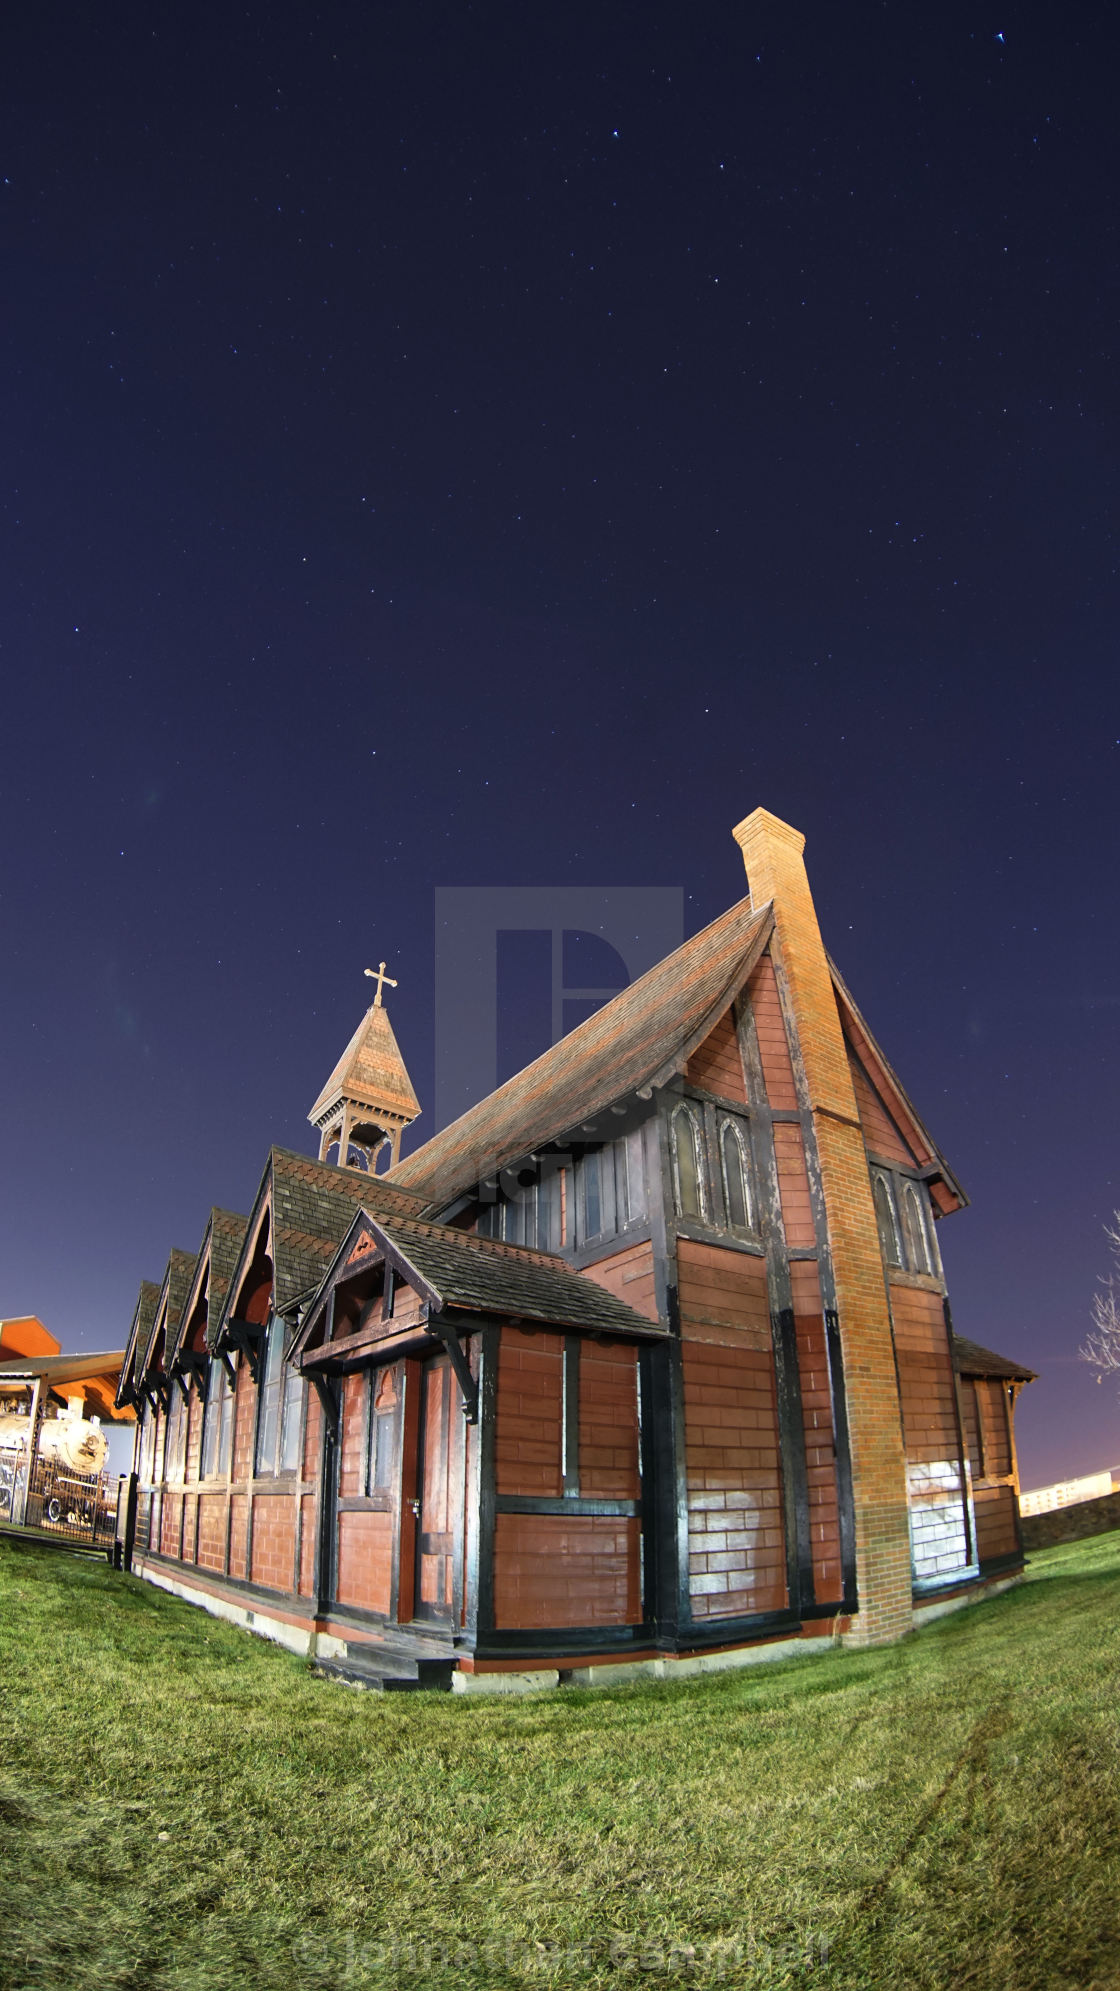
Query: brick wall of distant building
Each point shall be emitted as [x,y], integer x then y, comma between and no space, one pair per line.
[1071,1524]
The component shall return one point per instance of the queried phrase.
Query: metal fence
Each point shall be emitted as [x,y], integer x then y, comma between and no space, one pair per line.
[74,1506]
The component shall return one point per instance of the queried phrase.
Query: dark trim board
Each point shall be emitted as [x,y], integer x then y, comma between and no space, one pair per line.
[540,1503]
[1002,1565]
[573,1641]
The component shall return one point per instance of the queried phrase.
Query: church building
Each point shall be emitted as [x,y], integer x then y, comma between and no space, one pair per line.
[643,1365]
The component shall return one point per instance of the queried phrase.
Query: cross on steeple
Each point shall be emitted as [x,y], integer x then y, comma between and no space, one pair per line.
[379,976]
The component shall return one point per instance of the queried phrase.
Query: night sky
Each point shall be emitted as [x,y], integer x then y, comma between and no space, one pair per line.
[485,446]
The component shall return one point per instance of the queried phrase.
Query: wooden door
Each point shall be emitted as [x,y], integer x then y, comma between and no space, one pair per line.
[439,1532]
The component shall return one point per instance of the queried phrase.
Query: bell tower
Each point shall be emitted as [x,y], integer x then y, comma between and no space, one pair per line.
[368,1100]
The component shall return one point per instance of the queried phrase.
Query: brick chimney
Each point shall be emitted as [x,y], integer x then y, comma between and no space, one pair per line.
[772,853]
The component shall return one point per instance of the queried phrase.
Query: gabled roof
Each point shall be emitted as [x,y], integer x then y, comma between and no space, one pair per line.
[371,1073]
[169,1307]
[972,1360]
[641,1038]
[891,1089]
[213,1268]
[311,1205]
[143,1315]
[456,1268]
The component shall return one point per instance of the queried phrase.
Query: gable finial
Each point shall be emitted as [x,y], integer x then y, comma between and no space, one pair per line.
[379,976]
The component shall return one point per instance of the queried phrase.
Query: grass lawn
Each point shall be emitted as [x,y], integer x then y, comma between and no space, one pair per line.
[184,1808]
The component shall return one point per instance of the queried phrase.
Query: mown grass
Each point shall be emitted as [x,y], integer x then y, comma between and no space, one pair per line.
[184,1808]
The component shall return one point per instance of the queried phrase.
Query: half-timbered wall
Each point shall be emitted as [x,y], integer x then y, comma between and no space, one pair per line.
[939,1525]
[736,1530]
[566,1568]
[985,1413]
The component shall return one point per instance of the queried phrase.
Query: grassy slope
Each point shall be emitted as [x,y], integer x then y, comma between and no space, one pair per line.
[183,1806]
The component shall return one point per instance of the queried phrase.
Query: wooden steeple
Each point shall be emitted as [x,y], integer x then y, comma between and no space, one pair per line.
[368,1100]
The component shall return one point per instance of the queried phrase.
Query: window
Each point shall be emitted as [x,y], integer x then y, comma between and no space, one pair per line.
[147,1445]
[606,1191]
[734,1159]
[384,1404]
[915,1224]
[630,1177]
[688,1191]
[176,1436]
[281,1402]
[291,1420]
[886,1218]
[525,1211]
[905,1220]
[217,1424]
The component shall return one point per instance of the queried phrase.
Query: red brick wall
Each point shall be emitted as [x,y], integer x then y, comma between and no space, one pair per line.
[527,1443]
[312,1437]
[879,1130]
[309,1523]
[925,1374]
[629,1275]
[816,1417]
[772,852]
[274,1541]
[244,1421]
[195,1411]
[608,1421]
[170,1524]
[773,1044]
[550,1569]
[365,1560]
[717,1065]
[718,1289]
[352,1434]
[793,1186]
[212,1531]
[238,1534]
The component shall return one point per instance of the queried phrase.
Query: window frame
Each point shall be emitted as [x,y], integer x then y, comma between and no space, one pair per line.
[216,1449]
[686,1111]
[280,1396]
[900,1184]
[738,1127]
[383,1424]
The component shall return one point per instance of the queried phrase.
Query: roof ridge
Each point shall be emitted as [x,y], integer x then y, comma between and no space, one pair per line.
[631,1042]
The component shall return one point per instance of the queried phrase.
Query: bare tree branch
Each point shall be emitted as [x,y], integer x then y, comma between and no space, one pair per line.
[1101,1346]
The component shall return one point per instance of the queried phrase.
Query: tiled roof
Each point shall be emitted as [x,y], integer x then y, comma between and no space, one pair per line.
[312,1207]
[640,1038]
[371,1072]
[172,1299]
[226,1239]
[972,1360]
[220,1248]
[143,1315]
[457,1268]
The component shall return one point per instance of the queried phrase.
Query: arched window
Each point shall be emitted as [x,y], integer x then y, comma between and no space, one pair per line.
[735,1164]
[888,1221]
[688,1188]
[914,1223]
